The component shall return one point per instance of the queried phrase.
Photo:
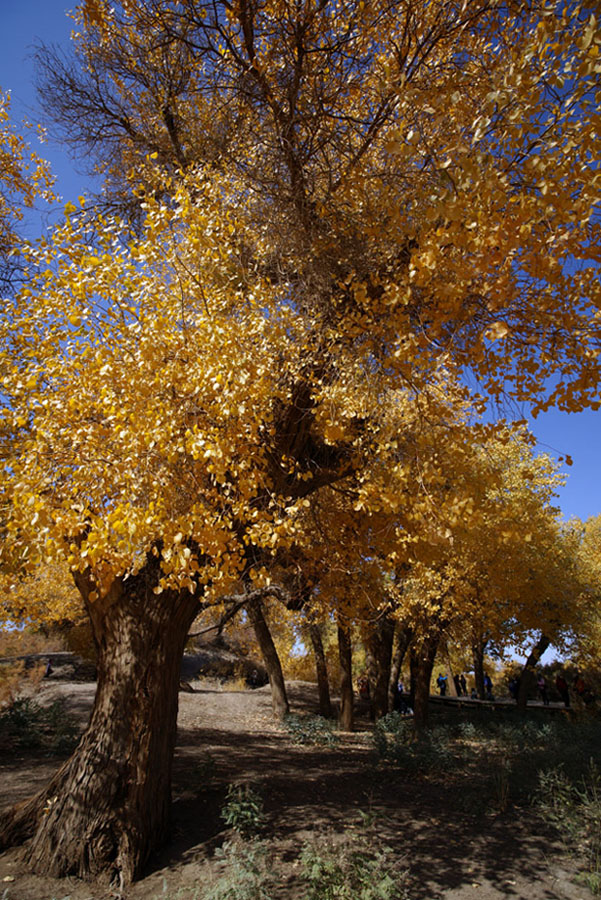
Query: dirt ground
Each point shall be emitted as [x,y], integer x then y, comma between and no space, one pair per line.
[454,845]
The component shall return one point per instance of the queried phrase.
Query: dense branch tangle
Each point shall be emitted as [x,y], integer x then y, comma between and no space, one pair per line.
[374,204]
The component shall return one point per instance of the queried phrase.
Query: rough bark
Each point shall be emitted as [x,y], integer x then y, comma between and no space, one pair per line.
[108,806]
[378,644]
[527,675]
[346,679]
[321,670]
[279,698]
[402,640]
[422,663]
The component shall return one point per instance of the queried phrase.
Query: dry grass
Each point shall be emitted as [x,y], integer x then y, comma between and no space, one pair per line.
[22,643]
[16,681]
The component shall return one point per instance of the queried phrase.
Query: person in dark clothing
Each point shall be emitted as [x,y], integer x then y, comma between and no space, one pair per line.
[488,688]
[542,689]
[463,684]
[441,681]
[457,684]
[563,689]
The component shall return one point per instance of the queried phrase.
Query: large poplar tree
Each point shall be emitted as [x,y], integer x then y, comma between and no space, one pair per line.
[329,203]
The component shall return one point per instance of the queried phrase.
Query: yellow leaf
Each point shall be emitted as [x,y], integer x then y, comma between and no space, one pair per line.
[496,331]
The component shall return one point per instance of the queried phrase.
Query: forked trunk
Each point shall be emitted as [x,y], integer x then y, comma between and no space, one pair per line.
[279,698]
[527,679]
[346,679]
[321,670]
[107,808]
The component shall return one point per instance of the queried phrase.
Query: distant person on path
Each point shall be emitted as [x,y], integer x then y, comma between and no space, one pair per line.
[579,685]
[542,689]
[514,688]
[363,685]
[563,689]
[441,681]
[463,684]
[474,694]
[400,704]
[488,688]
[49,669]
[457,684]
[582,689]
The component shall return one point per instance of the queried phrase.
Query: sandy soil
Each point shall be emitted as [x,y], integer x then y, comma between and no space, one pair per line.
[454,845]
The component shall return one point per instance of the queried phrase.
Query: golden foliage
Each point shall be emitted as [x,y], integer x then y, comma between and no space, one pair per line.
[24,176]
[341,213]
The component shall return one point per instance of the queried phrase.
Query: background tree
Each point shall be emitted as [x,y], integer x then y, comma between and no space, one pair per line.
[24,176]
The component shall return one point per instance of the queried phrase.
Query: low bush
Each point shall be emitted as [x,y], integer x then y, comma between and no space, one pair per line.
[25,725]
[351,869]
[396,743]
[248,874]
[243,810]
[574,810]
[311,730]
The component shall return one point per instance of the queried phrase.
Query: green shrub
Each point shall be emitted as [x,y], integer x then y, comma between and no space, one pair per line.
[243,810]
[392,739]
[313,730]
[25,725]
[351,869]
[247,873]
[396,743]
[574,809]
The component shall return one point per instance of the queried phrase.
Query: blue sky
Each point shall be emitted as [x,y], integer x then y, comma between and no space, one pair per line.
[22,22]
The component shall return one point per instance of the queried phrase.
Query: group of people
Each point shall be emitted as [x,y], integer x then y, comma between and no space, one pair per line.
[580,687]
[461,686]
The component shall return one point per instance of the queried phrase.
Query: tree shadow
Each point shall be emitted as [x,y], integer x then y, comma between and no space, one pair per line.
[445,844]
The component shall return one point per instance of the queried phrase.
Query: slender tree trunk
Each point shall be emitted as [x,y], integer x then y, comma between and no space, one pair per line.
[321,669]
[107,808]
[451,686]
[402,640]
[378,644]
[279,698]
[346,679]
[423,663]
[527,675]
[478,648]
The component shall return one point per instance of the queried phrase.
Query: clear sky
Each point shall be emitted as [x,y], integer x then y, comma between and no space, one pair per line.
[23,22]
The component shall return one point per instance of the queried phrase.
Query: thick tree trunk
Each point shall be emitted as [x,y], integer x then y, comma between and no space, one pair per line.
[279,698]
[478,648]
[378,644]
[422,664]
[527,675]
[346,679]
[107,808]
[321,670]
